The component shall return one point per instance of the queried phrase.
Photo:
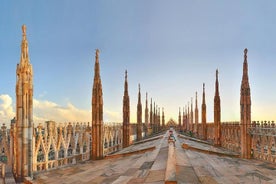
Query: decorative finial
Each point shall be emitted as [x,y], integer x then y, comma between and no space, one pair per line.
[97,52]
[217,74]
[24,29]
[126,74]
[245,51]
[139,87]
[147,95]
[245,54]
[203,86]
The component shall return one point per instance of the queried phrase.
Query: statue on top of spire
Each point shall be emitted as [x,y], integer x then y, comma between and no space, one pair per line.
[24,29]
[245,52]
[97,52]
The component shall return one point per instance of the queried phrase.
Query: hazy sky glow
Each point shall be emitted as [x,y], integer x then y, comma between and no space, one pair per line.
[169,48]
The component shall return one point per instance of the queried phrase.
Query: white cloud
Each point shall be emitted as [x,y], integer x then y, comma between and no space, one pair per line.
[45,110]
[6,109]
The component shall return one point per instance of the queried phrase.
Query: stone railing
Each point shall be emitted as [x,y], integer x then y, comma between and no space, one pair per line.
[263,140]
[231,136]
[59,145]
[267,128]
[200,132]
[263,134]
[113,135]
[5,154]
[210,131]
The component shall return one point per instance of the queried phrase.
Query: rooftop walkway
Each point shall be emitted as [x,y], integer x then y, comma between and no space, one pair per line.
[148,162]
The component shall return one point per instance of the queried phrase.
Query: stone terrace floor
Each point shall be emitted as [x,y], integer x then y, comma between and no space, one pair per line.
[150,167]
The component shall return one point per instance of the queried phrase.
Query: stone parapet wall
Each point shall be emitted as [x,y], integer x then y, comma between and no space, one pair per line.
[113,137]
[263,133]
[263,140]
[5,147]
[200,132]
[231,136]
[210,131]
[56,145]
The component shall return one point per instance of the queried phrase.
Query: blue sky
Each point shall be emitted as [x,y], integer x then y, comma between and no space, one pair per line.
[170,48]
